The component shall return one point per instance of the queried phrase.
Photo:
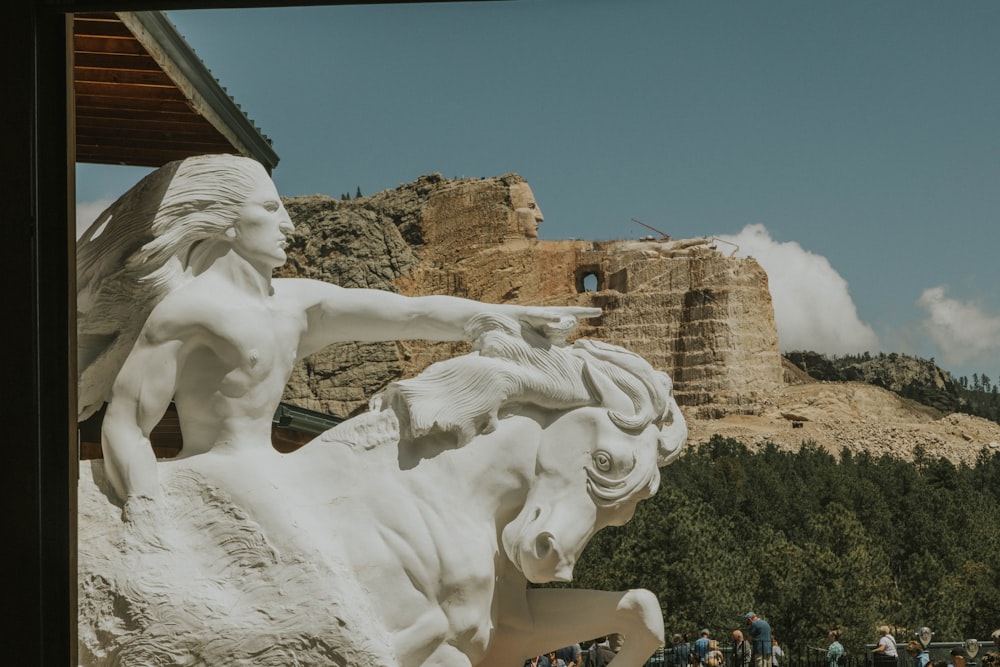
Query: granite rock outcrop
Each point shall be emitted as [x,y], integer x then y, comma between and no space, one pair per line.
[686,306]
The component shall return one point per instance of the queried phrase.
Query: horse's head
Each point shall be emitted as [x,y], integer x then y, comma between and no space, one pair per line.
[610,420]
[595,464]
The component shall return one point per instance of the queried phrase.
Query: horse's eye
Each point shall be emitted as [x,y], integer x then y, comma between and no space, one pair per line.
[602,461]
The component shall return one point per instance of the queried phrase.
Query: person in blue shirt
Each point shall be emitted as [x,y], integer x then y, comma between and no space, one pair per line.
[701,646]
[760,632]
[918,654]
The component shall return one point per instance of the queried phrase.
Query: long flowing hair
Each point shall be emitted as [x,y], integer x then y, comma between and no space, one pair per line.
[141,248]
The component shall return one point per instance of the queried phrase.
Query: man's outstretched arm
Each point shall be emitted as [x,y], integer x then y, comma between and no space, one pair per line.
[337,314]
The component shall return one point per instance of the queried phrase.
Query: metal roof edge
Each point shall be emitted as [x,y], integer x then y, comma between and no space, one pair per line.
[304,420]
[210,98]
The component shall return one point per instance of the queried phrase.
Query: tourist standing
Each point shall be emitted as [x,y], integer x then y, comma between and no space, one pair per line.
[680,652]
[742,651]
[537,661]
[760,633]
[918,654]
[701,646]
[714,658]
[884,652]
[835,651]
[570,655]
[777,655]
[600,653]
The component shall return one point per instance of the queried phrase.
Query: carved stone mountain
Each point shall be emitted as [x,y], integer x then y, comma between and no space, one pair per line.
[701,316]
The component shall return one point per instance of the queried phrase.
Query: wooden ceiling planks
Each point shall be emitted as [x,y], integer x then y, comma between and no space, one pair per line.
[131,111]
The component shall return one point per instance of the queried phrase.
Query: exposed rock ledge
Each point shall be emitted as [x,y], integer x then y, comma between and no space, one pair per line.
[698,314]
[702,316]
[856,416]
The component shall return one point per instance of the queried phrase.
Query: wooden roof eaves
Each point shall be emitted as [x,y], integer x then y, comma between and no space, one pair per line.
[87,6]
[162,41]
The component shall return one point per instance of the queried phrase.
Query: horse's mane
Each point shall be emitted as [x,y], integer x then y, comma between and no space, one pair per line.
[512,364]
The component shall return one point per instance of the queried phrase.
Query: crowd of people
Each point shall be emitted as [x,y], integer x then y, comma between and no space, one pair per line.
[757,647]
[885,653]
[597,653]
[760,650]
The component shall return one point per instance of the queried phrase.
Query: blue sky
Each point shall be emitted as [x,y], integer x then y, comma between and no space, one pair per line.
[853,147]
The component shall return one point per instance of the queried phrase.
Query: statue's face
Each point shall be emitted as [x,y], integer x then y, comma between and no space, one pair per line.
[525,209]
[260,232]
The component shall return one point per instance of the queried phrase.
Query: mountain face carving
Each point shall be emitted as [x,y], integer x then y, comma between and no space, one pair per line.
[692,311]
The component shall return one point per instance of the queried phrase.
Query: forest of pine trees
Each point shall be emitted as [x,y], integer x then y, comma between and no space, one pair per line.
[812,542]
[979,397]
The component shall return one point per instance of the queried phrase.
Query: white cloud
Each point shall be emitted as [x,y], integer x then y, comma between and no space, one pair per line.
[813,309]
[87,212]
[963,331]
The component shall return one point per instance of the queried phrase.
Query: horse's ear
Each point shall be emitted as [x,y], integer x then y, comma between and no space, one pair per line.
[621,394]
[620,359]
[604,390]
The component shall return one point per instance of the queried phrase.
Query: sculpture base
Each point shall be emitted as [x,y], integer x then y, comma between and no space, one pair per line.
[209,586]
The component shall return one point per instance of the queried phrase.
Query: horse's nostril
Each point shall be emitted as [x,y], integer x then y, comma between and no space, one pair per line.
[545,545]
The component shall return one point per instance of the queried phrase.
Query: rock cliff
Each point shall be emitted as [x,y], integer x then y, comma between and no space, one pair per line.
[693,311]
[702,316]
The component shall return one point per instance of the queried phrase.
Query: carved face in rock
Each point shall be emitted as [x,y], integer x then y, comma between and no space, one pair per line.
[591,474]
[526,211]
[260,232]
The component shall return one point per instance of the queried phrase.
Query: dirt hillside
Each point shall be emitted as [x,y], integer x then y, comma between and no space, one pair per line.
[861,417]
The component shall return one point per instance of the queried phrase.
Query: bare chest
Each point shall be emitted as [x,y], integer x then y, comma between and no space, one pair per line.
[246,348]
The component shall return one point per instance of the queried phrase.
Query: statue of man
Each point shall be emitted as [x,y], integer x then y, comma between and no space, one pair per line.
[221,335]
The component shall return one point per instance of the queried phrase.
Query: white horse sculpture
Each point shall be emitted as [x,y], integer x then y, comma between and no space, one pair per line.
[406,536]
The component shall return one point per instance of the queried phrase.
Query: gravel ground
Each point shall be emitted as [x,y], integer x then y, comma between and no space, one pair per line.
[861,417]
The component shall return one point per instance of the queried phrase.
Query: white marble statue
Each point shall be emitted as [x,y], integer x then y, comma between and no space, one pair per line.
[405,536]
[201,308]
